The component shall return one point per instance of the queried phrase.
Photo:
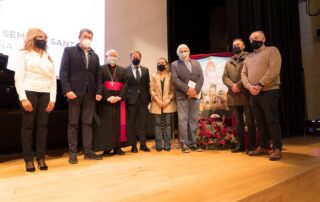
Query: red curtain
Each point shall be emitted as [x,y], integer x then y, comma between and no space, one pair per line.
[222,54]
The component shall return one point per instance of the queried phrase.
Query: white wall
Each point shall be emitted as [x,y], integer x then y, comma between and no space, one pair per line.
[310,44]
[137,25]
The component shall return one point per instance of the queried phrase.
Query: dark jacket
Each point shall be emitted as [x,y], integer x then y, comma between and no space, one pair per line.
[134,88]
[180,76]
[73,73]
[232,75]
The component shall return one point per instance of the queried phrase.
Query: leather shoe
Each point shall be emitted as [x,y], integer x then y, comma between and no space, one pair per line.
[42,164]
[107,153]
[185,149]
[275,155]
[195,148]
[159,149]
[134,149]
[238,149]
[118,151]
[92,156]
[258,152]
[73,158]
[167,149]
[145,148]
[30,166]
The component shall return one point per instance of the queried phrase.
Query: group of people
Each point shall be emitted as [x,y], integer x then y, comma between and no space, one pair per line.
[253,81]
[111,103]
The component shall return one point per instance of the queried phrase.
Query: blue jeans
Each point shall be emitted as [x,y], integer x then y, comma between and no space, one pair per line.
[188,116]
[163,126]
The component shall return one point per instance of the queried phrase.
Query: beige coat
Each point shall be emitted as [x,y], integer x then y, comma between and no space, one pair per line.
[156,91]
[232,75]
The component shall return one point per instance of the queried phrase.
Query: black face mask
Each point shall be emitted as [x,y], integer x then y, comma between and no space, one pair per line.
[256,44]
[161,67]
[236,50]
[40,43]
[135,61]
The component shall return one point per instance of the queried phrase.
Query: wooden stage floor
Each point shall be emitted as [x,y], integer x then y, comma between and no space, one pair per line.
[170,176]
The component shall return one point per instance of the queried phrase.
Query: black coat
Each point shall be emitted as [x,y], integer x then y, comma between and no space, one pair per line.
[106,131]
[73,73]
[134,87]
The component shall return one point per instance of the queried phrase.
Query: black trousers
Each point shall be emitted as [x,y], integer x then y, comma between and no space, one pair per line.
[138,113]
[265,110]
[239,111]
[85,106]
[37,118]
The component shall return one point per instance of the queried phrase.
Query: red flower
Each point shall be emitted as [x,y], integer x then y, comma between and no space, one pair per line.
[224,130]
[222,142]
[202,126]
[217,135]
[229,137]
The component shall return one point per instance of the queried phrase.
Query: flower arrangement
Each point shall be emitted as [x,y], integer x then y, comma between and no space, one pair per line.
[213,134]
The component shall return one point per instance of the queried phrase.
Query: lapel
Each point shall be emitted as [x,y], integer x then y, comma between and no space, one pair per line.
[166,84]
[185,66]
[158,81]
[131,73]
[142,72]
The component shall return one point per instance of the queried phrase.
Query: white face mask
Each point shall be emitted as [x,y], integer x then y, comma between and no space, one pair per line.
[86,43]
[111,60]
[184,56]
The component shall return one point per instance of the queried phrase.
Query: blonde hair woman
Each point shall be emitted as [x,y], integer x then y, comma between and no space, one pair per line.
[35,81]
[162,103]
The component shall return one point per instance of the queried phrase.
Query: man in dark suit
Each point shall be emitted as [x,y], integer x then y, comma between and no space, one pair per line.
[188,79]
[81,83]
[137,99]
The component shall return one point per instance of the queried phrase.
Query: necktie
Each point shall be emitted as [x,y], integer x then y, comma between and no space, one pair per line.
[87,59]
[137,74]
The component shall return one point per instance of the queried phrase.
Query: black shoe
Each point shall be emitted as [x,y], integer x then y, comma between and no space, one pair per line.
[185,149]
[167,149]
[92,156]
[30,166]
[145,148]
[195,148]
[118,151]
[73,158]
[134,149]
[238,149]
[159,149]
[107,153]
[42,165]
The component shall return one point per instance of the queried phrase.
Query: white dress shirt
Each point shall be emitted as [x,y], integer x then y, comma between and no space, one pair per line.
[134,69]
[35,73]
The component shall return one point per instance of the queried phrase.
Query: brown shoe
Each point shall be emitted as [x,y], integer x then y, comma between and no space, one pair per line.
[258,152]
[275,155]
